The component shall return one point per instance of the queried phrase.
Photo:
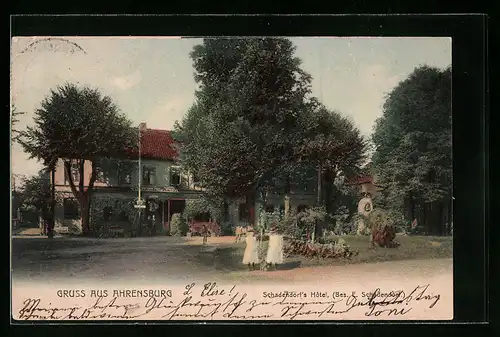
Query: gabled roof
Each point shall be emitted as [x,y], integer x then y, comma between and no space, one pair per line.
[365,179]
[156,144]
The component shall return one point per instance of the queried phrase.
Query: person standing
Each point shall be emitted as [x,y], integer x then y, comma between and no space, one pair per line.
[251,255]
[275,249]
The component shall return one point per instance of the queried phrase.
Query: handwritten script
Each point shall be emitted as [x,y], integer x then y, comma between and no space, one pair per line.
[212,302]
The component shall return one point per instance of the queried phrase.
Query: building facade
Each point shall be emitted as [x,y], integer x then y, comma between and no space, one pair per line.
[164,186]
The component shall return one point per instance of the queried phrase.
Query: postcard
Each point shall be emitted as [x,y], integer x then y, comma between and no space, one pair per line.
[231,179]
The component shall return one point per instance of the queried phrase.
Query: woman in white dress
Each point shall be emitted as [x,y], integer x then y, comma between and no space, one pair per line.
[275,249]
[251,255]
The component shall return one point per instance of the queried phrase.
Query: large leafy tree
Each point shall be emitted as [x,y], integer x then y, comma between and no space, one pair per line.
[413,143]
[78,124]
[244,125]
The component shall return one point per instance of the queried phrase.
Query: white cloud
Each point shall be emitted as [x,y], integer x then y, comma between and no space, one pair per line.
[169,110]
[128,81]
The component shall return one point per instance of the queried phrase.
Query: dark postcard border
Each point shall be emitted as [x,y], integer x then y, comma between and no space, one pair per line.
[469,109]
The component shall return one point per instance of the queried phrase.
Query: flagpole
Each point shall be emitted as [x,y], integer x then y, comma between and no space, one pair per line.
[140,175]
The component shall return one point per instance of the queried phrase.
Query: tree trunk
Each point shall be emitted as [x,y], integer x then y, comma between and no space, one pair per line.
[412,209]
[52,222]
[329,180]
[85,214]
[318,199]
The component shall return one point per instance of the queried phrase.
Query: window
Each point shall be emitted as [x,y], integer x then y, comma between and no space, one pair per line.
[244,214]
[107,213]
[100,176]
[175,177]
[148,175]
[301,208]
[124,175]
[71,209]
[75,173]
[269,208]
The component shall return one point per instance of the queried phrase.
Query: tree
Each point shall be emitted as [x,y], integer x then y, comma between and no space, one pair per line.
[413,147]
[36,195]
[14,120]
[335,146]
[244,125]
[78,124]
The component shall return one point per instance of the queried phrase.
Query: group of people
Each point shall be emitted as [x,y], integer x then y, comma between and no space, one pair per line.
[274,254]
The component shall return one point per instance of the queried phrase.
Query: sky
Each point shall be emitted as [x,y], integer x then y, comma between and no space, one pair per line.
[151,79]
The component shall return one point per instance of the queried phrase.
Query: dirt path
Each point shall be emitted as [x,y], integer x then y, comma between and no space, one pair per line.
[393,271]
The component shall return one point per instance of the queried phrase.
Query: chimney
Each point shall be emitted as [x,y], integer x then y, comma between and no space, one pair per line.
[142,127]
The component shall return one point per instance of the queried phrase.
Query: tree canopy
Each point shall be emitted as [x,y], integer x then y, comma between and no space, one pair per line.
[413,139]
[78,124]
[245,121]
[36,195]
[255,126]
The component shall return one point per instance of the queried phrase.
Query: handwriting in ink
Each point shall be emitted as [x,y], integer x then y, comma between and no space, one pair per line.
[216,302]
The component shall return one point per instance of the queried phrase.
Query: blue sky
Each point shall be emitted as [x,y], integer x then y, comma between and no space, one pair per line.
[151,79]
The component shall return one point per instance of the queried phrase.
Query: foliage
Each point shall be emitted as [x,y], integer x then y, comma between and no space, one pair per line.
[227,229]
[78,124]
[204,204]
[123,213]
[314,219]
[344,222]
[384,237]
[256,101]
[290,226]
[178,225]
[36,195]
[379,219]
[335,146]
[14,120]
[382,225]
[269,220]
[413,141]
[338,249]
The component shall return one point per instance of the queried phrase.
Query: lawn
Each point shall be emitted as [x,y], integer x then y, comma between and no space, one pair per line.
[228,257]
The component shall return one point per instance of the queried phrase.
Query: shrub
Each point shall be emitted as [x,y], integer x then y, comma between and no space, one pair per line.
[290,226]
[337,249]
[178,225]
[382,226]
[213,206]
[268,220]
[227,229]
[314,219]
[344,223]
